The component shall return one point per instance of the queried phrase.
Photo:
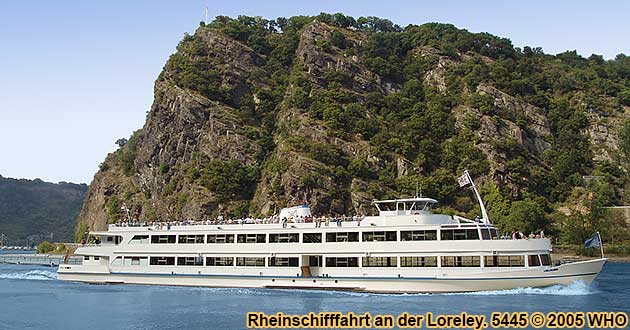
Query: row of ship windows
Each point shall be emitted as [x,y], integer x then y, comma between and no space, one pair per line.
[371,236]
[427,261]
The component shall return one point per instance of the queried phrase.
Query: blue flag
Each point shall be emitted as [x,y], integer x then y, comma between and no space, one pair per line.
[594,241]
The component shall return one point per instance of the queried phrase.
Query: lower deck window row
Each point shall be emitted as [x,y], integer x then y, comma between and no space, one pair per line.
[391,261]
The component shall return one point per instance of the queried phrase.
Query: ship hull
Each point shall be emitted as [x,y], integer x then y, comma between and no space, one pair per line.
[585,271]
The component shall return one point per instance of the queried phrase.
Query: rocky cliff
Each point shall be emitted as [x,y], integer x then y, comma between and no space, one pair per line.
[252,115]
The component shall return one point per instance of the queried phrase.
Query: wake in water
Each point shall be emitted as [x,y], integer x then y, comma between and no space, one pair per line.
[577,288]
[36,275]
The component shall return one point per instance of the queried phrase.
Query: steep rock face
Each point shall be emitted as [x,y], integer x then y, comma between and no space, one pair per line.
[247,120]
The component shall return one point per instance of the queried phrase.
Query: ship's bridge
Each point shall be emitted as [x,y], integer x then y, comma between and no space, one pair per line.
[417,209]
[405,206]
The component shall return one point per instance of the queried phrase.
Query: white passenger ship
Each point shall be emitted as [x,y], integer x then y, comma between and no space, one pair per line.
[404,249]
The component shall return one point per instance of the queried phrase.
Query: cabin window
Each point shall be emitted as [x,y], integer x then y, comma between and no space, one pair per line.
[311,238]
[458,234]
[97,258]
[219,261]
[342,262]
[533,260]
[284,238]
[189,261]
[342,237]
[136,261]
[504,261]
[315,261]
[162,261]
[418,235]
[250,261]
[379,262]
[190,239]
[418,261]
[162,239]
[545,259]
[111,238]
[461,261]
[251,238]
[379,236]
[138,239]
[86,258]
[117,261]
[283,262]
[220,238]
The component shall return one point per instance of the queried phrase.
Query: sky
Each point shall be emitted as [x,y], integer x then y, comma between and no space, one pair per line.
[77,75]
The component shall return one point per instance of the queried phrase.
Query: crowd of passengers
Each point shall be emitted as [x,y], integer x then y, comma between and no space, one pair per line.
[318,221]
[220,220]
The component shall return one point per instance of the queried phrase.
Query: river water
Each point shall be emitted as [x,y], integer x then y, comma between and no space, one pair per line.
[31,297]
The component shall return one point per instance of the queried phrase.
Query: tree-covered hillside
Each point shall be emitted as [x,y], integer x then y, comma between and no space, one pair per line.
[34,210]
[251,115]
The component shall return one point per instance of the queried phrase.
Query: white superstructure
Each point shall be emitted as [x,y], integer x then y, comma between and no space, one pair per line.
[406,248]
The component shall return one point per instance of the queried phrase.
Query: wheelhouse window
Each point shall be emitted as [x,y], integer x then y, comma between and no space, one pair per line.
[342,262]
[189,261]
[283,262]
[250,261]
[379,236]
[219,261]
[418,235]
[162,261]
[504,261]
[251,238]
[162,239]
[545,259]
[458,234]
[284,238]
[137,239]
[190,239]
[533,260]
[489,233]
[418,261]
[312,238]
[461,261]
[342,237]
[220,238]
[379,262]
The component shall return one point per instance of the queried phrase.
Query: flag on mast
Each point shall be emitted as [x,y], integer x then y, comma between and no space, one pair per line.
[463,180]
[594,241]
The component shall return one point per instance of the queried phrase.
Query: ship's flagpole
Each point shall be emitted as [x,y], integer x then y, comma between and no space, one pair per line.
[484,214]
[601,244]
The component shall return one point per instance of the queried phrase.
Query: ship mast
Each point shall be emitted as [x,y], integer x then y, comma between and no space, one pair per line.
[484,214]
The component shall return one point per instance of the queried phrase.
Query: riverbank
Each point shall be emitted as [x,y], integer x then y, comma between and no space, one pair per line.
[51,260]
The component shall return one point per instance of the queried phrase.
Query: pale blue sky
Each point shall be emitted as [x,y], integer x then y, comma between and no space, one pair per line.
[77,75]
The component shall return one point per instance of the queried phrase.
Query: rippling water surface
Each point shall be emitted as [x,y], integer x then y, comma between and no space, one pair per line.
[31,297]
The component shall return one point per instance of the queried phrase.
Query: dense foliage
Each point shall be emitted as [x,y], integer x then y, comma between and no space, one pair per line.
[33,210]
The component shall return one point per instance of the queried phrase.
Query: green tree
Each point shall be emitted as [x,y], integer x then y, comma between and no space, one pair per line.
[45,247]
[624,140]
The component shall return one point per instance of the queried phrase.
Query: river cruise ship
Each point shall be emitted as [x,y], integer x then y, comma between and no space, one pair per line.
[404,249]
